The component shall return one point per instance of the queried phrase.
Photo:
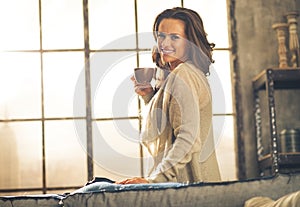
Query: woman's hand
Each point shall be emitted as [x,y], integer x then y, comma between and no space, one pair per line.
[140,88]
[136,180]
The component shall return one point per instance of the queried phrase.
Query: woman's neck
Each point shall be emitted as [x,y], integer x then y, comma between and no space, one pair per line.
[174,64]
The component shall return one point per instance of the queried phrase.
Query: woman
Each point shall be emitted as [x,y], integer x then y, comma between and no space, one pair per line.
[178,127]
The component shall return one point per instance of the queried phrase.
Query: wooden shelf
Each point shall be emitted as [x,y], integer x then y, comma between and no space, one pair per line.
[283,78]
[284,159]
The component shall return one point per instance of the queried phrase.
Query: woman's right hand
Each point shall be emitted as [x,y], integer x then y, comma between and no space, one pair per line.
[140,88]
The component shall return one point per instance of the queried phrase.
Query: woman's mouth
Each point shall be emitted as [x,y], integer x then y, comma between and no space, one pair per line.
[167,51]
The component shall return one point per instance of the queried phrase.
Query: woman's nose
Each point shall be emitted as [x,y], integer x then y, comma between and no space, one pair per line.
[166,41]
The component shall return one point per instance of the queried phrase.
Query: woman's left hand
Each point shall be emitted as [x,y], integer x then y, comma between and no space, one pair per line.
[136,180]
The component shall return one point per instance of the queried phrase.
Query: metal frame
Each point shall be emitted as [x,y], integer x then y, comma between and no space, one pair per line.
[270,80]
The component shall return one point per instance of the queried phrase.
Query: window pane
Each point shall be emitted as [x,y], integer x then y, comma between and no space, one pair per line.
[66,158]
[20,155]
[20,85]
[109,21]
[146,59]
[214,16]
[116,148]
[20,25]
[224,141]
[220,81]
[112,90]
[62,23]
[61,72]
[148,10]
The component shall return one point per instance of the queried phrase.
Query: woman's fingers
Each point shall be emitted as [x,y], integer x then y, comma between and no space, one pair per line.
[132,78]
[142,86]
[135,180]
[141,89]
[121,181]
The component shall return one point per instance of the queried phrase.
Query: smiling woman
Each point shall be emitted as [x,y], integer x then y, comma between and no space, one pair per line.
[179,121]
[44,52]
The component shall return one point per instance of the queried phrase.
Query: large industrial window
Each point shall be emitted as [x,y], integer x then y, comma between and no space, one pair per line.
[67,107]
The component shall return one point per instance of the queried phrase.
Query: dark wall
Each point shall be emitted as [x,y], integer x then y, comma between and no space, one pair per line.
[254,48]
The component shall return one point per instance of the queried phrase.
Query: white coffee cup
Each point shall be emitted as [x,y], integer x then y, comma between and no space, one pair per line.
[143,75]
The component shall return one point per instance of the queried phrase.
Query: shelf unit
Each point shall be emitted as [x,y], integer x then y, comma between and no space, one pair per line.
[270,80]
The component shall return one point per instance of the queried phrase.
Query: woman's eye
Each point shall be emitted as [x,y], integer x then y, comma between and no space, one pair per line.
[160,36]
[175,37]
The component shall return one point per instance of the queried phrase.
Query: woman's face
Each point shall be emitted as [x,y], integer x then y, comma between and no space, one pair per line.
[171,40]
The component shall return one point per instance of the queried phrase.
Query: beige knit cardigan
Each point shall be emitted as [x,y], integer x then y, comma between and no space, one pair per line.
[178,129]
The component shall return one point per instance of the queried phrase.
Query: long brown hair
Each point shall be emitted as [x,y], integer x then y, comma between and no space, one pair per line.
[200,53]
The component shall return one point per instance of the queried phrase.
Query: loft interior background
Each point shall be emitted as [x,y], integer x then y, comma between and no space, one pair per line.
[44,50]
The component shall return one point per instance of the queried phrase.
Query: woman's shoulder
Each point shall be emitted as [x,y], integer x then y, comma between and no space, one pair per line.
[188,69]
